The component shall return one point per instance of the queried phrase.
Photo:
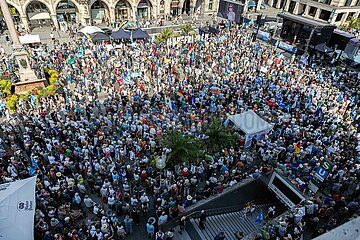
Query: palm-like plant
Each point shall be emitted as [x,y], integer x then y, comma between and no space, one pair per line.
[218,136]
[186,29]
[353,23]
[165,34]
[184,148]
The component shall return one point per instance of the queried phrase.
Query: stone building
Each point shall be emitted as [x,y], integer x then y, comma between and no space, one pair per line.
[335,12]
[46,12]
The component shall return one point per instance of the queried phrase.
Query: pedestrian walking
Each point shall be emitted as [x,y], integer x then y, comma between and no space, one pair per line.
[202,220]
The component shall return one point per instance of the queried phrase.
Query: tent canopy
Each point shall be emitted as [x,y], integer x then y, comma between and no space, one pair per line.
[249,122]
[208,30]
[17,209]
[28,38]
[323,48]
[90,30]
[121,34]
[98,37]
[140,34]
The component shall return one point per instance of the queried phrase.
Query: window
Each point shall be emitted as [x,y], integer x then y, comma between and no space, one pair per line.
[350,16]
[325,15]
[211,5]
[348,3]
[312,11]
[339,17]
[358,3]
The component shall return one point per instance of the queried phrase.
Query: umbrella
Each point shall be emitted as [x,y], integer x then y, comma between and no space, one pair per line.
[90,30]
[71,61]
[251,4]
[323,48]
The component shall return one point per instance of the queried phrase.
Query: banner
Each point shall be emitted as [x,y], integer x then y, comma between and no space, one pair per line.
[287,47]
[265,36]
[17,209]
[230,10]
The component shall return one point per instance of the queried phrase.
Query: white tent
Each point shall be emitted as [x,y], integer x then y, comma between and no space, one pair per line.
[90,30]
[17,209]
[29,38]
[251,124]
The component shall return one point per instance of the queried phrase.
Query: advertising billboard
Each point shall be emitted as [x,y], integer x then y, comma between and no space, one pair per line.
[230,10]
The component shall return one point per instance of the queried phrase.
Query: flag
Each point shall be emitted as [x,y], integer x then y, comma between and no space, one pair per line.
[340,98]
[33,100]
[259,217]
[180,93]
[34,163]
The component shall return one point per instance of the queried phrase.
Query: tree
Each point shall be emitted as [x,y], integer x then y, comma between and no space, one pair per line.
[165,34]
[184,148]
[218,136]
[5,87]
[186,29]
[353,23]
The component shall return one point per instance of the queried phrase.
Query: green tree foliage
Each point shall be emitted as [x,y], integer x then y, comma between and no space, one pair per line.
[186,29]
[353,23]
[5,86]
[219,136]
[165,34]
[184,148]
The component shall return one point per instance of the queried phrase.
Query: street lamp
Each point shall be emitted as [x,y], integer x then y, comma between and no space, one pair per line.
[161,163]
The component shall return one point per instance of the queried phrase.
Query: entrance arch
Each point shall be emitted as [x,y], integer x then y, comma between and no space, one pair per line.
[186,7]
[100,12]
[175,7]
[38,14]
[144,10]
[199,7]
[122,10]
[66,12]
[14,13]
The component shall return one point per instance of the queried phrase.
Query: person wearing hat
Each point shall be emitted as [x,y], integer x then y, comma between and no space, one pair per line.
[182,223]
[150,229]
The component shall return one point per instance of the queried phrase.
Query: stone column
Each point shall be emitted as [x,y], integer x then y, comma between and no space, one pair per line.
[287,5]
[271,2]
[27,77]
[258,6]
[246,6]
[112,15]
[296,8]
[278,4]
[55,20]
[344,17]
[332,20]
[10,23]
[25,22]
[317,14]
[306,11]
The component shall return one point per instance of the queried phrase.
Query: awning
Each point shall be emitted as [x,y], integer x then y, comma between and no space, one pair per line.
[175,4]
[343,33]
[252,4]
[143,5]
[68,10]
[27,39]
[39,16]
[323,48]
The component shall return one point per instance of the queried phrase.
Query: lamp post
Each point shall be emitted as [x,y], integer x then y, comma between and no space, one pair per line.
[28,79]
[161,164]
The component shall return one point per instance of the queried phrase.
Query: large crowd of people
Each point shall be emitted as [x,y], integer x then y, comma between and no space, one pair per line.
[93,144]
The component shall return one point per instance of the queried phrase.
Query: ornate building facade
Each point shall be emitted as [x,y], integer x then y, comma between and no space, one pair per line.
[45,12]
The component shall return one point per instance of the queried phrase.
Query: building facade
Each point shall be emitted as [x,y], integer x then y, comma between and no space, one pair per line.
[45,12]
[335,12]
